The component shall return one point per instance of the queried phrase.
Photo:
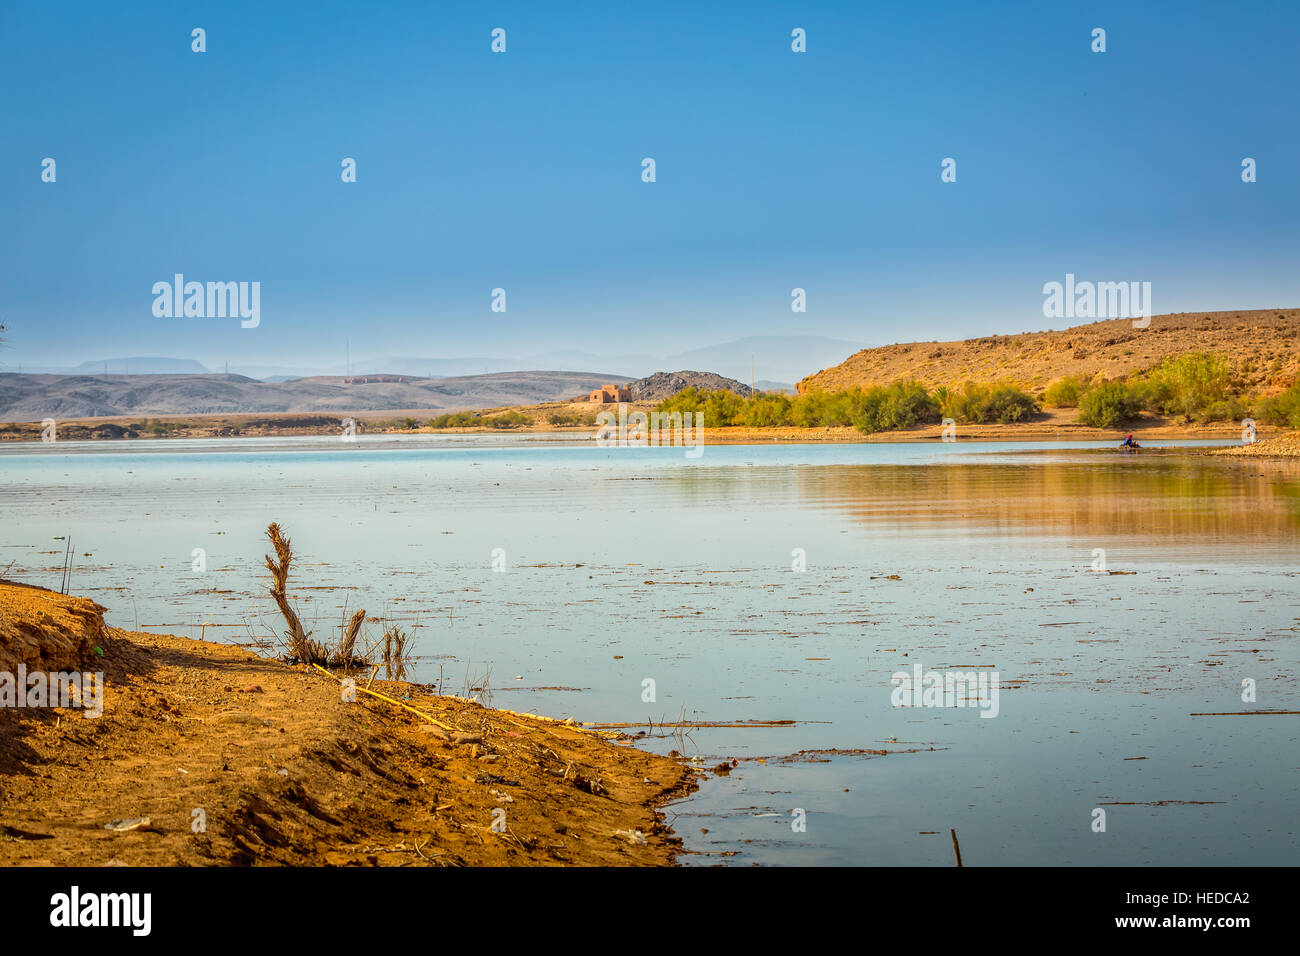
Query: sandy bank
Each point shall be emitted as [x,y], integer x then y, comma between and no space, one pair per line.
[1279,446]
[237,760]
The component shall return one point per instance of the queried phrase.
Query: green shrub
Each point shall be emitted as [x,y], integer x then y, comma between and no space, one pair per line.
[985,404]
[566,418]
[1007,404]
[719,408]
[1065,392]
[964,405]
[1231,409]
[1109,404]
[768,410]
[455,420]
[894,407]
[881,408]
[507,420]
[1283,409]
[1188,384]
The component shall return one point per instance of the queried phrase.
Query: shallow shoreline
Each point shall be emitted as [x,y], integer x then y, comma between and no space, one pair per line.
[234,759]
[1055,426]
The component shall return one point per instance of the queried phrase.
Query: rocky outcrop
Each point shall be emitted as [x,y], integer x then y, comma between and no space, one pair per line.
[661,385]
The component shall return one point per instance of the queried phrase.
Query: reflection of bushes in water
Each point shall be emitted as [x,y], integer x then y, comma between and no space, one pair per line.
[1182,497]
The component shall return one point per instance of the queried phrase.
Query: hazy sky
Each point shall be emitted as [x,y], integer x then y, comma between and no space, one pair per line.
[523,171]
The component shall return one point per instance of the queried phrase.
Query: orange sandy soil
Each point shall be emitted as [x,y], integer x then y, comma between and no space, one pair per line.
[286,772]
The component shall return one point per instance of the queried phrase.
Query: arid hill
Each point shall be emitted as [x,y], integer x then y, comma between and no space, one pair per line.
[1264,348]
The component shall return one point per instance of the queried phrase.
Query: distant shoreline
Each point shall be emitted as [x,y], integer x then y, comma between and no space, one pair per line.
[1055,425]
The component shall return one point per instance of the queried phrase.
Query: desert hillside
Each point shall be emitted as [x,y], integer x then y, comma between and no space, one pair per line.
[1263,346]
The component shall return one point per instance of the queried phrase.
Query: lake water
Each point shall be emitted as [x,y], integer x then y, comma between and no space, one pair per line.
[628,565]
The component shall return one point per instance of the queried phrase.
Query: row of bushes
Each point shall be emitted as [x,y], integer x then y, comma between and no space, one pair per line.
[1282,409]
[1197,386]
[510,419]
[880,408]
[472,420]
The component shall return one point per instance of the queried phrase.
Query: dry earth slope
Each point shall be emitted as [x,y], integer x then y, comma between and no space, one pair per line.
[1263,345]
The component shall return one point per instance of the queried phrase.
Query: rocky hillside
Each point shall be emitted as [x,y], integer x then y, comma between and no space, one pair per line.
[1264,348]
[661,385]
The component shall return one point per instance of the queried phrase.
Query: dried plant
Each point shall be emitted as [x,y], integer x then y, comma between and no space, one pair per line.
[300,645]
[395,654]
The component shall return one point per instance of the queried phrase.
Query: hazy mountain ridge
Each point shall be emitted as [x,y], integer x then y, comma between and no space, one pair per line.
[772,358]
[26,398]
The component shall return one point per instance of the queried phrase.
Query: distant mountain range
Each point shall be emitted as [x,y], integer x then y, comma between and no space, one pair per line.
[138,366]
[27,398]
[775,361]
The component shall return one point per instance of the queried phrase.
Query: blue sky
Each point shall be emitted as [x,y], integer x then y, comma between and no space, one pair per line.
[523,171]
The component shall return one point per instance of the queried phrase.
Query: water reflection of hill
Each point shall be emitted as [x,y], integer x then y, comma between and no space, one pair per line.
[1160,501]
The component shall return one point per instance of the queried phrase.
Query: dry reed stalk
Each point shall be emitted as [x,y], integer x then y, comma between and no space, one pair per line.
[394,654]
[347,644]
[299,645]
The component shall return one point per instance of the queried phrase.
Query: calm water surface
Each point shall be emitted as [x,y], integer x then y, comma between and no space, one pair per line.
[628,565]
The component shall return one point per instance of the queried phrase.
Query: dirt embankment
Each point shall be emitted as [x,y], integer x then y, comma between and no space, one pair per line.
[45,630]
[1279,446]
[206,754]
[1263,346]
